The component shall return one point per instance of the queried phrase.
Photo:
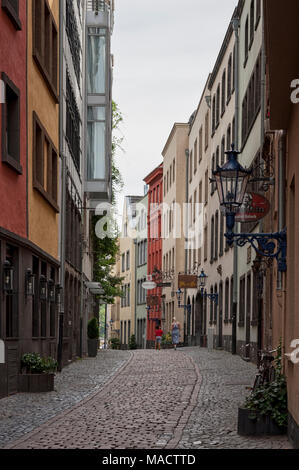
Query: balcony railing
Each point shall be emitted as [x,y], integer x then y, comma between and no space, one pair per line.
[97,5]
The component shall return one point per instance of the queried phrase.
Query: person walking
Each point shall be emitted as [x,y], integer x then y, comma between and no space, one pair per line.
[175,332]
[159,334]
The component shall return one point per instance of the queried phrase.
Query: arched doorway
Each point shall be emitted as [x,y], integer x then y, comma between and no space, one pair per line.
[199,321]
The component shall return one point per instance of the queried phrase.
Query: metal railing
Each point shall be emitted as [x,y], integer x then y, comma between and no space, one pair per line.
[97,5]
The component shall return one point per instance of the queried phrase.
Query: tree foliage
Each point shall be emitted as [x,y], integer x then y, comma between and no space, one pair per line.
[107,249]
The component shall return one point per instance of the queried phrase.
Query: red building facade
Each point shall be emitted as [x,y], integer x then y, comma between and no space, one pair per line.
[154,256]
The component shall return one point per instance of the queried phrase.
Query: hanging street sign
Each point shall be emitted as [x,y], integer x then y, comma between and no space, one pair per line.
[187,281]
[254,208]
[149,285]
[164,284]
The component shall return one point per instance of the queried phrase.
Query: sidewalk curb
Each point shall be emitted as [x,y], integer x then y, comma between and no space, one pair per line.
[109,383]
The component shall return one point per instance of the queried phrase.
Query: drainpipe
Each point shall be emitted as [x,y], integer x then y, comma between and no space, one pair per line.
[236,25]
[63,186]
[187,153]
[281,277]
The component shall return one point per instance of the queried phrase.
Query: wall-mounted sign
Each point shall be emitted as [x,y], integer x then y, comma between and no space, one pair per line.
[254,208]
[163,284]
[187,281]
[148,285]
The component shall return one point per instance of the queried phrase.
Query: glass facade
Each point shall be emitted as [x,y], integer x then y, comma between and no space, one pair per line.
[96,61]
[96,143]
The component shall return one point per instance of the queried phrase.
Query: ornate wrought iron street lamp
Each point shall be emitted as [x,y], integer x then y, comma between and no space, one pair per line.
[179,294]
[202,284]
[232,180]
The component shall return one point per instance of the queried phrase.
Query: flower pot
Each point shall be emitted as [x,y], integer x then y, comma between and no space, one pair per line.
[93,346]
[257,426]
[36,383]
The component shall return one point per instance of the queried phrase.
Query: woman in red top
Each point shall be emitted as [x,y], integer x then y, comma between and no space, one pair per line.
[159,334]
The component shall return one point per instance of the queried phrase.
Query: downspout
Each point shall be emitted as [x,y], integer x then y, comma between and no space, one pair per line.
[236,25]
[63,185]
[187,153]
[281,277]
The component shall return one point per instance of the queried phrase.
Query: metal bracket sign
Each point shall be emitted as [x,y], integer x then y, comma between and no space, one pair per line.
[254,208]
[187,281]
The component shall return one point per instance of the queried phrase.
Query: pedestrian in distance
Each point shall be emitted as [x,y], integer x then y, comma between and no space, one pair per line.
[175,332]
[159,334]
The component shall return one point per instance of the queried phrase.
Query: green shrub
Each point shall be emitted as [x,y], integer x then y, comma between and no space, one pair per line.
[271,399]
[33,363]
[93,329]
[132,342]
[114,343]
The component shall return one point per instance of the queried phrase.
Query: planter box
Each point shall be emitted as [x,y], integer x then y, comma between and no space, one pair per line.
[259,426]
[93,346]
[36,383]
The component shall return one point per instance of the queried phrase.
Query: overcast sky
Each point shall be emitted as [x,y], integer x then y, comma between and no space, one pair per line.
[163,52]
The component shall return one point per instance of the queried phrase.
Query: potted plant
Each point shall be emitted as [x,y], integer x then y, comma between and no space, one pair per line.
[37,373]
[266,409]
[93,337]
[114,343]
[166,341]
[132,342]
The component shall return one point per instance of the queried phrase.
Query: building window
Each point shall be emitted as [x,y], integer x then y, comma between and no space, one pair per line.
[212,240]
[226,308]
[221,240]
[252,101]
[229,78]
[206,187]
[228,138]
[216,235]
[128,261]
[45,44]
[45,163]
[73,122]
[211,307]
[173,170]
[11,7]
[195,156]
[11,125]
[242,302]
[251,22]
[246,42]
[258,12]
[222,151]
[74,39]
[213,169]
[206,243]
[11,298]
[217,106]
[223,92]
[96,61]
[214,115]
[207,130]
[190,166]
[96,143]
[200,145]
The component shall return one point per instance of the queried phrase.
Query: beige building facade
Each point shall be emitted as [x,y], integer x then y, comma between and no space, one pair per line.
[174,187]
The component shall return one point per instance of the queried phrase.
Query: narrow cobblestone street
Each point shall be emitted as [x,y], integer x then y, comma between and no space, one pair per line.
[137,400]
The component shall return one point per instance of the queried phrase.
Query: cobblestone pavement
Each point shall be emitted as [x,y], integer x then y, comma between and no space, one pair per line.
[145,405]
[24,412]
[156,399]
[213,422]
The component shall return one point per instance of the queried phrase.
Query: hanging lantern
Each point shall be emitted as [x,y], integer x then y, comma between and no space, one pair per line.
[8,277]
[29,283]
[58,292]
[231,180]
[43,288]
[51,291]
[202,280]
